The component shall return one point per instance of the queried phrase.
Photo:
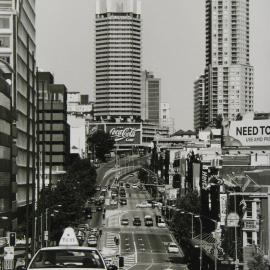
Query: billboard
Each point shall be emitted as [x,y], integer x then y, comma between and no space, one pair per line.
[123,133]
[248,133]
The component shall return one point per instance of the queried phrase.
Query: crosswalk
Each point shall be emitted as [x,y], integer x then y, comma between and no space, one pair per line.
[129,261]
[110,241]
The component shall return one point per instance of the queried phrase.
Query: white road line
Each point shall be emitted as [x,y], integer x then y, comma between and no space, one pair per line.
[135,248]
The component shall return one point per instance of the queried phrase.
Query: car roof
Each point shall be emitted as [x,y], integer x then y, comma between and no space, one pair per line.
[68,247]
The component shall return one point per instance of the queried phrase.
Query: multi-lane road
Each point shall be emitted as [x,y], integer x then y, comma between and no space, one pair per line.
[143,248]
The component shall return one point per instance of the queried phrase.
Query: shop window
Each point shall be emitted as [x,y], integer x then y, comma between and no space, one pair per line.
[4,23]
[249,238]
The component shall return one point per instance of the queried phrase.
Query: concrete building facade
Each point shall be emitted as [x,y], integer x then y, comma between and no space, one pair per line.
[54,133]
[17,49]
[228,74]
[118,59]
[199,104]
[150,98]
[165,117]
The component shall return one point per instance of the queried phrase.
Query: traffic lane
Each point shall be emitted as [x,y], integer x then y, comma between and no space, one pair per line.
[158,267]
[126,243]
[154,251]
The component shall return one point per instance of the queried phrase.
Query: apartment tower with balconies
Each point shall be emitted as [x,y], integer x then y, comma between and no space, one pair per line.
[229,88]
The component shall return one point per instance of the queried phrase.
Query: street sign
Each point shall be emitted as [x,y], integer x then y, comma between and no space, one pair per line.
[46,235]
[233,220]
[8,253]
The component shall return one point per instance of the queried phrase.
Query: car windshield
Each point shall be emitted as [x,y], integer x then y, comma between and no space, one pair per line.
[67,258]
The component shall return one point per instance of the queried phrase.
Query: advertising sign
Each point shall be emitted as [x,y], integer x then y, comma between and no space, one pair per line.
[204,177]
[223,208]
[233,220]
[125,133]
[93,128]
[249,133]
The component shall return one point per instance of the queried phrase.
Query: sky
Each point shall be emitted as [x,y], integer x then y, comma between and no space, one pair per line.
[173,45]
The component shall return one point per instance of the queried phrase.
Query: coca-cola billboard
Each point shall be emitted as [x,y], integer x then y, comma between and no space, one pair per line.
[125,133]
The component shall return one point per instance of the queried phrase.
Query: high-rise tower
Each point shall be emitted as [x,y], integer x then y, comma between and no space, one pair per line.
[118,59]
[228,74]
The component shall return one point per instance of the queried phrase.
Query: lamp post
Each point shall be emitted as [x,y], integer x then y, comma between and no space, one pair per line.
[197,216]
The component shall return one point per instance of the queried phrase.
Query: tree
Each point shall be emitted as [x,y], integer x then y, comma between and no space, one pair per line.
[101,143]
[218,121]
[258,262]
[181,224]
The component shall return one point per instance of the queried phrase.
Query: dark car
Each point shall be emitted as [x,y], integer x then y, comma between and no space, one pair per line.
[137,221]
[99,208]
[123,194]
[127,185]
[123,201]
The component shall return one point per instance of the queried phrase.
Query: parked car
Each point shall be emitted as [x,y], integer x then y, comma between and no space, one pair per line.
[113,202]
[148,220]
[173,248]
[134,186]
[127,185]
[99,208]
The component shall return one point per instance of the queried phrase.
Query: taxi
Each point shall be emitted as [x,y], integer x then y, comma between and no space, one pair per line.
[68,255]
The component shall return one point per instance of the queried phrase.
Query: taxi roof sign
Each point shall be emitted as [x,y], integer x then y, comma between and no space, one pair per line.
[69,238]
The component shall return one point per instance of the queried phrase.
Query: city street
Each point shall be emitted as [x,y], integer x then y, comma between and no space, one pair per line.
[142,247]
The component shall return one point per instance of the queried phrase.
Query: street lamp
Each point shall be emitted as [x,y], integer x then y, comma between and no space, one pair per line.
[197,216]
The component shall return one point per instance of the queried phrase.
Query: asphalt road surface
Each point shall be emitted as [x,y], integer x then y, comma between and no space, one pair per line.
[148,245]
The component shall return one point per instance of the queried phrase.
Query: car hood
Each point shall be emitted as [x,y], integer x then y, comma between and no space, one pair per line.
[51,268]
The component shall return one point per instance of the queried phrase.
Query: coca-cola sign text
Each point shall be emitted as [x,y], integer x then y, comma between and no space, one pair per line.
[127,134]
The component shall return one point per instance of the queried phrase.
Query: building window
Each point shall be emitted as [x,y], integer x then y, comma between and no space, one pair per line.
[249,238]
[249,209]
[4,23]
[4,42]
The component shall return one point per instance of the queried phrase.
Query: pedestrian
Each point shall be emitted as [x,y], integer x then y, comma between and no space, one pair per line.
[100,232]
[115,238]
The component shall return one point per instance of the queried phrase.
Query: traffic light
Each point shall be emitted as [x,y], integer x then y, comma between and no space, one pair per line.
[121,261]
[12,239]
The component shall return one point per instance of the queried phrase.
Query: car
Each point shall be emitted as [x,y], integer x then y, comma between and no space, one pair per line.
[94,231]
[84,226]
[173,248]
[132,174]
[122,194]
[137,221]
[143,205]
[161,223]
[123,201]
[134,186]
[92,241]
[124,221]
[99,208]
[68,254]
[127,185]
[113,202]
[80,235]
[148,221]
[98,188]
[104,189]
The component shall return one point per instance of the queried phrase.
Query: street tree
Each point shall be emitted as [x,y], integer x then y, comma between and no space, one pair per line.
[101,143]
[258,262]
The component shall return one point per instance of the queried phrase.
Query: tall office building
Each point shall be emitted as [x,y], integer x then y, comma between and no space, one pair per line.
[150,97]
[17,49]
[53,130]
[118,59]
[199,104]
[228,74]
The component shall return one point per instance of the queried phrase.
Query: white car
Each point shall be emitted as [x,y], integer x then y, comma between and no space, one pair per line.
[143,205]
[135,186]
[173,248]
[68,255]
[161,223]
[113,202]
